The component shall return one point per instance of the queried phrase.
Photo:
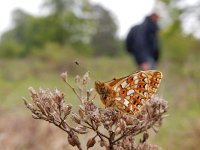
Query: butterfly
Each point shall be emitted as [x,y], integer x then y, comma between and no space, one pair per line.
[129,94]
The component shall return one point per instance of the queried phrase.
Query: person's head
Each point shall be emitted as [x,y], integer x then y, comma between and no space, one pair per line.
[154,17]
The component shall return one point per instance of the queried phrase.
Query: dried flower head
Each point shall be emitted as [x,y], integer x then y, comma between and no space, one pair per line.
[64,76]
[112,128]
[86,78]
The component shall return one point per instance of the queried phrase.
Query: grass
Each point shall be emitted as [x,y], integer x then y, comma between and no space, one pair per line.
[180,86]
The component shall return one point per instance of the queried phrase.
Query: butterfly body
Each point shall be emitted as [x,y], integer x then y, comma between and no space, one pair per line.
[130,93]
[106,93]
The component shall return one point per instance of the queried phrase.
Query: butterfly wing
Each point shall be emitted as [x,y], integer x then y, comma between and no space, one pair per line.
[134,90]
[154,81]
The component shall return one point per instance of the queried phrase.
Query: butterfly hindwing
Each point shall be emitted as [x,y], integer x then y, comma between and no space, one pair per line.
[154,81]
[130,93]
[134,90]
[130,103]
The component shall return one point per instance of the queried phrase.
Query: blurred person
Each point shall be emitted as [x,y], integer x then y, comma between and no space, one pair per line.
[142,43]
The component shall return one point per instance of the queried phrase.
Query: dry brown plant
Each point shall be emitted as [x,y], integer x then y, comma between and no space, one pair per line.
[112,129]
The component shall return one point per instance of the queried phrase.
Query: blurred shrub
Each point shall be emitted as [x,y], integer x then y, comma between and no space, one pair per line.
[10,48]
[93,31]
[104,40]
[53,52]
[178,47]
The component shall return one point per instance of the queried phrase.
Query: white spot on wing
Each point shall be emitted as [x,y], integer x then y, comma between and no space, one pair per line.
[144,75]
[135,78]
[131,108]
[146,86]
[146,80]
[115,88]
[126,102]
[124,84]
[118,98]
[130,92]
[142,100]
[145,94]
[136,81]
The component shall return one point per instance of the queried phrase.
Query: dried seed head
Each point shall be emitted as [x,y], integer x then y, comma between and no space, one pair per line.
[58,97]
[32,90]
[77,79]
[118,130]
[81,129]
[28,105]
[89,92]
[64,76]
[107,123]
[123,124]
[81,112]
[75,118]
[41,108]
[66,108]
[145,137]
[34,94]
[91,142]
[86,78]
[35,116]
[73,140]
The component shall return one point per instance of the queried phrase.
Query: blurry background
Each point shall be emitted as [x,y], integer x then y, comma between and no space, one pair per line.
[42,38]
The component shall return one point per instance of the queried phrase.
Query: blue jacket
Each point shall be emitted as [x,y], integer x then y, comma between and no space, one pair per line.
[142,41]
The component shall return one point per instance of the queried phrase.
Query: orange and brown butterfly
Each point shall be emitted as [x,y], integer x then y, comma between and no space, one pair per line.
[130,93]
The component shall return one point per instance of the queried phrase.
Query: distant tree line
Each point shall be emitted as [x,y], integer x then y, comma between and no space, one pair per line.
[176,45]
[87,28]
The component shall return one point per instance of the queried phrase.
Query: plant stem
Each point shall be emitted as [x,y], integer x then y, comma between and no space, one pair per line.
[74,91]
